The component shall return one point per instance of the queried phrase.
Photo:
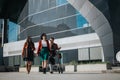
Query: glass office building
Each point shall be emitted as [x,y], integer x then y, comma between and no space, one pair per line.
[56,18]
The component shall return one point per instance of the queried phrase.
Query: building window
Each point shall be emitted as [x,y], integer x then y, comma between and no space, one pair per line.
[13,32]
[90,54]
[59,2]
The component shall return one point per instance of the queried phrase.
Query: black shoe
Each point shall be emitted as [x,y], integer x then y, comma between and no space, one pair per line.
[28,72]
[44,70]
[59,72]
[51,72]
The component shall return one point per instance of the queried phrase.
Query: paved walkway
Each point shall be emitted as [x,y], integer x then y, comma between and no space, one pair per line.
[56,76]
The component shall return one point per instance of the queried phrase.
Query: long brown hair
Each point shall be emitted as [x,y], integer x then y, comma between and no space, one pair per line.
[29,41]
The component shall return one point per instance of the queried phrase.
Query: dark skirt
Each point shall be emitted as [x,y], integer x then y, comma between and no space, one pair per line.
[44,53]
[30,55]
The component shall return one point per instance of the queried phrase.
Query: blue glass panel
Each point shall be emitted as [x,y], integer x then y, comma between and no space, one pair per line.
[12,32]
[59,2]
[80,20]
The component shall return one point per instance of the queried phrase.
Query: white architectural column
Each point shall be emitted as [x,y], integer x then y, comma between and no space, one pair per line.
[99,23]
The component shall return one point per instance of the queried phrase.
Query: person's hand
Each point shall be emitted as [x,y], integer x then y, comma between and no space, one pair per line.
[36,54]
[22,55]
[59,48]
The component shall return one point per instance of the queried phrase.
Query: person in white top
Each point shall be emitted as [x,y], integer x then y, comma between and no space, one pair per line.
[43,50]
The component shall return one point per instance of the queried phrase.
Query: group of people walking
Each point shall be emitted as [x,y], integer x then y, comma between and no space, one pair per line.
[47,50]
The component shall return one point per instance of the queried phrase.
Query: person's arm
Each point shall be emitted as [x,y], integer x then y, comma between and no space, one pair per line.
[33,47]
[48,45]
[23,50]
[58,48]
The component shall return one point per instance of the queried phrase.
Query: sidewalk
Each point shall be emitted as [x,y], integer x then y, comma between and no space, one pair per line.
[113,70]
[56,76]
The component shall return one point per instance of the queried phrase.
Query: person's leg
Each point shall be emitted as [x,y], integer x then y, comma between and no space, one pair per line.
[45,59]
[44,68]
[61,68]
[26,66]
[45,65]
[51,68]
[29,66]
[59,65]
[42,58]
[42,64]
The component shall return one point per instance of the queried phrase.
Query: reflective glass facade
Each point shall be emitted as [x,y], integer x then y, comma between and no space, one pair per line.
[13,30]
[55,17]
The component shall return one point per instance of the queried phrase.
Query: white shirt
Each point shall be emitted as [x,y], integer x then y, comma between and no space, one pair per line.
[44,43]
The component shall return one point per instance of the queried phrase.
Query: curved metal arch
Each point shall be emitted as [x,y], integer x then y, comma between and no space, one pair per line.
[99,23]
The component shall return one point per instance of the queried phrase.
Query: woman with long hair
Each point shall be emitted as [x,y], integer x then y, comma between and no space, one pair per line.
[43,50]
[28,53]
